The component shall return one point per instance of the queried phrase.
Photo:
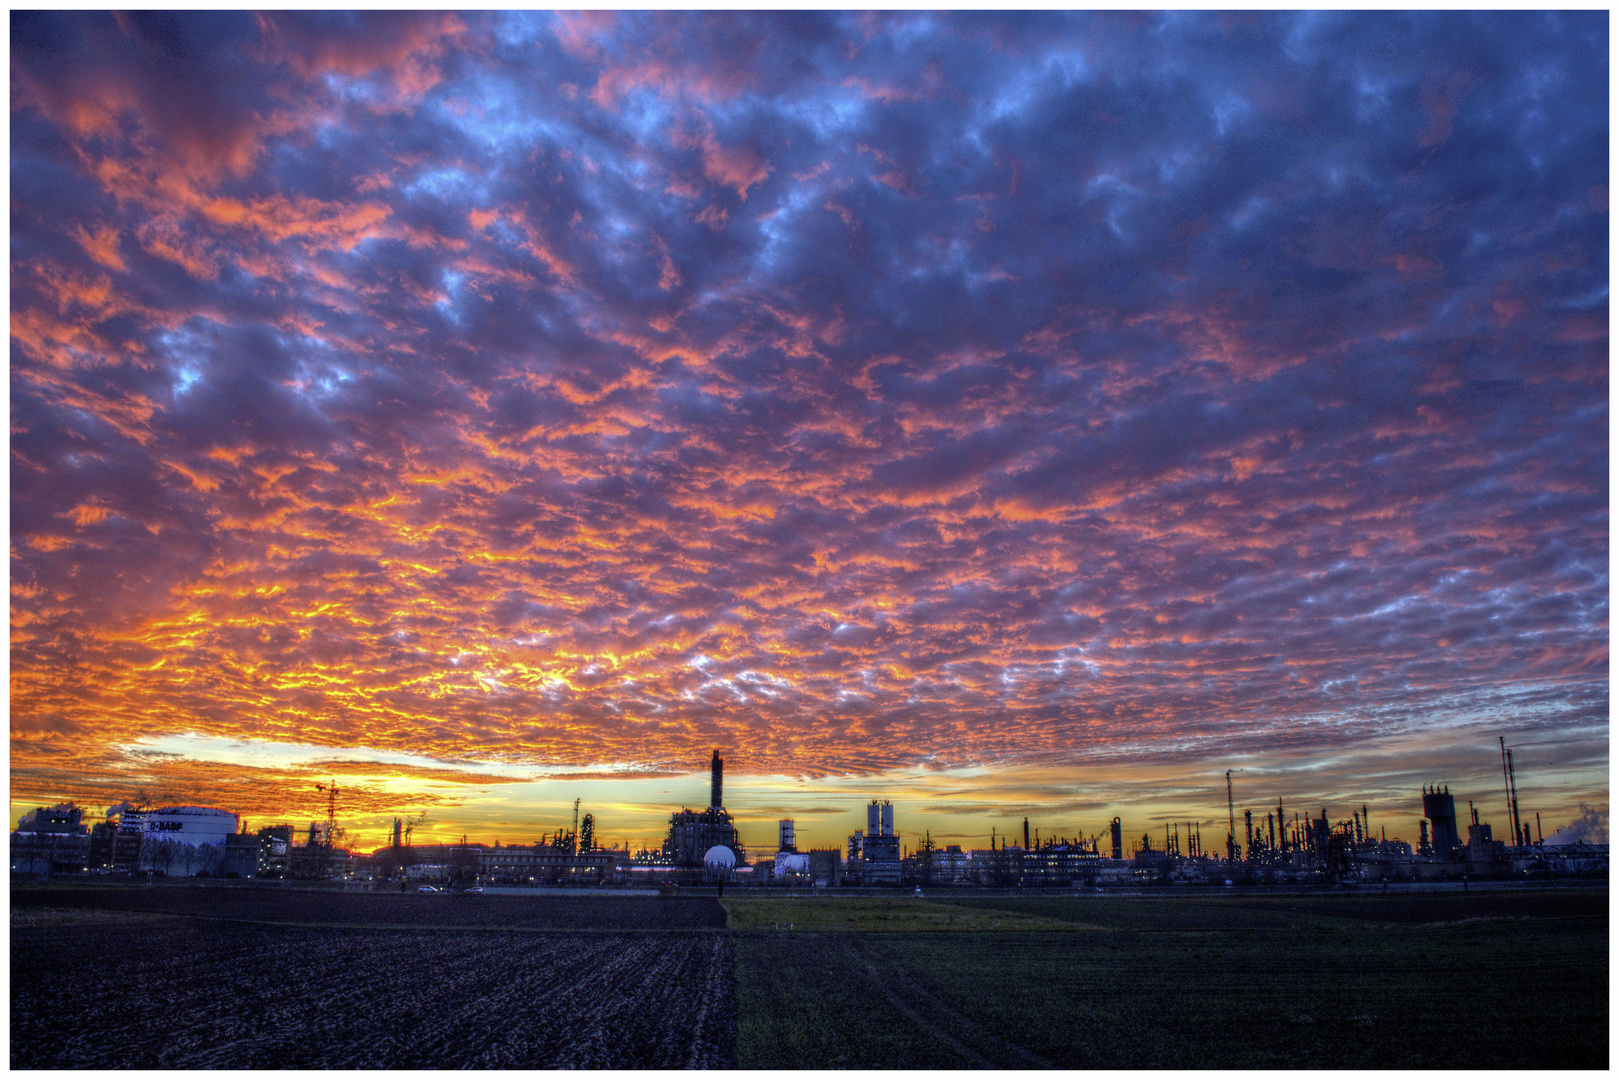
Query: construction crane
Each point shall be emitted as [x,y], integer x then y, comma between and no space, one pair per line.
[331,810]
[1512,791]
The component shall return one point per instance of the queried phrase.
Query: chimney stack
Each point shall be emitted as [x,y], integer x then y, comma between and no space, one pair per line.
[716,784]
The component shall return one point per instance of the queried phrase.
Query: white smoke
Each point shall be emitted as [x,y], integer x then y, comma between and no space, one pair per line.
[1591,827]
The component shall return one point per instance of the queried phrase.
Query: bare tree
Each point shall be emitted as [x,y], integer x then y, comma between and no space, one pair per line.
[160,854]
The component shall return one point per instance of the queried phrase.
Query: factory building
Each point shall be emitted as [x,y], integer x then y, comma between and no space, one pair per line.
[103,838]
[1439,808]
[241,856]
[874,856]
[951,866]
[791,865]
[1482,847]
[173,839]
[51,839]
[543,863]
[826,866]
[693,833]
[274,851]
[933,865]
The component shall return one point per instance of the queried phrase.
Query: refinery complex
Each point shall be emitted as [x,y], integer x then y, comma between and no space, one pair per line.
[1276,846]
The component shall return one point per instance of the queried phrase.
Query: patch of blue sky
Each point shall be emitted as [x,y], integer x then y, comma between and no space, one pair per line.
[519,28]
[317,380]
[1064,68]
[367,90]
[1256,206]
[1337,173]
[490,111]
[1119,195]
[1302,42]
[622,239]
[1372,92]
[645,115]
[188,358]
[1230,110]
[831,115]
[448,185]
[1588,301]
[1023,88]
[778,228]
[451,281]
[916,30]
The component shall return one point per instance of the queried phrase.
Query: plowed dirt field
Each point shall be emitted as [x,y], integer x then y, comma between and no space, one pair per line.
[584,911]
[516,987]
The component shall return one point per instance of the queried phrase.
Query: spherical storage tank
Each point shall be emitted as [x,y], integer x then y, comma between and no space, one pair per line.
[791,863]
[720,857]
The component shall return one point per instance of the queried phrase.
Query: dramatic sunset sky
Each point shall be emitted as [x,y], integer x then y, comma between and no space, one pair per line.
[1001,414]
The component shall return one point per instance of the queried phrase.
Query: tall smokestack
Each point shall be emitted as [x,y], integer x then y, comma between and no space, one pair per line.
[1231,822]
[716,782]
[1025,834]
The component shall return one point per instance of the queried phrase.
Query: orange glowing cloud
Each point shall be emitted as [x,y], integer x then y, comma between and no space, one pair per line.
[847,392]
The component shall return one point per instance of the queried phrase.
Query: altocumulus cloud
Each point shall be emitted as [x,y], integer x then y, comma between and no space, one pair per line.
[850,391]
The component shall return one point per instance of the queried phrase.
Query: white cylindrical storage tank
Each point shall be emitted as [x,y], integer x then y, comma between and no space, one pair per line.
[187,824]
[786,829]
[888,819]
[872,817]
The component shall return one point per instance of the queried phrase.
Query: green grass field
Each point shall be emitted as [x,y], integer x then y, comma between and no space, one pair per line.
[1495,980]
